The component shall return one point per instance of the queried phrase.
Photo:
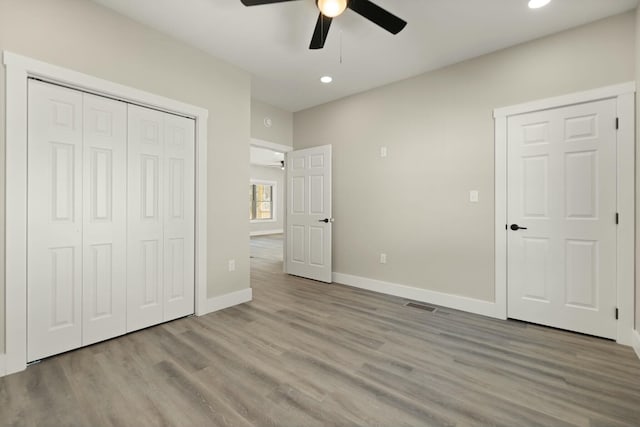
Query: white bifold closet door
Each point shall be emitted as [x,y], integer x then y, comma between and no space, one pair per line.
[104,230]
[161,207]
[111,195]
[54,241]
[76,219]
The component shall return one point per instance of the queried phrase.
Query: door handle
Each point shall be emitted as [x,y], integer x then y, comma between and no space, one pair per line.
[326,220]
[516,227]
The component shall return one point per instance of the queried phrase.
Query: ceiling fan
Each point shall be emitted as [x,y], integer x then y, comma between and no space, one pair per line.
[329,9]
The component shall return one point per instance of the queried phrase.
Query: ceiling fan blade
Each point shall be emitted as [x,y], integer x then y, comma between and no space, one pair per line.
[260,2]
[320,33]
[377,15]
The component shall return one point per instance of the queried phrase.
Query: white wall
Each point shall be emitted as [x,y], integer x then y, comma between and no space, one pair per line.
[263,173]
[86,37]
[438,127]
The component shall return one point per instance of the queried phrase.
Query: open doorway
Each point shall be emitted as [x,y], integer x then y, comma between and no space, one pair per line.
[266,202]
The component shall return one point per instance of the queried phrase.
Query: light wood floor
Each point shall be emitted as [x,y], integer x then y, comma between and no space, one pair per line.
[267,247]
[310,354]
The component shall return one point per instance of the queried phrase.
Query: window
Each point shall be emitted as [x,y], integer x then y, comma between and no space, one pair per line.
[261,201]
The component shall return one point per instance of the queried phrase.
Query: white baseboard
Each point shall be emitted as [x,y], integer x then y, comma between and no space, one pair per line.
[227,300]
[472,305]
[265,232]
[635,342]
[3,365]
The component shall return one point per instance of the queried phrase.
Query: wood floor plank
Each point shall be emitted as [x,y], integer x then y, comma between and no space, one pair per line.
[305,353]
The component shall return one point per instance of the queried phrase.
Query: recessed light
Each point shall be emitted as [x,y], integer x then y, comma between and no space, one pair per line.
[326,79]
[535,4]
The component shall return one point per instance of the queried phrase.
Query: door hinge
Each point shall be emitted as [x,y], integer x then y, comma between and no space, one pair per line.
[617,218]
[617,313]
[617,123]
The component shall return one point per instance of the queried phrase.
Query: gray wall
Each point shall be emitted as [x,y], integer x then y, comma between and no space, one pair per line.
[276,175]
[438,127]
[83,36]
[281,130]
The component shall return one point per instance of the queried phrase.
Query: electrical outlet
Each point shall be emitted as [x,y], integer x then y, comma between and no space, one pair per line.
[232,265]
[383,258]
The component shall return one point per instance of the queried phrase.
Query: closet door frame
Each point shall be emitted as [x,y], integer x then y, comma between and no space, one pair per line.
[18,70]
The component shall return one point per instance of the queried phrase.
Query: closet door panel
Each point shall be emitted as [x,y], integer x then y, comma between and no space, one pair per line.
[145,213]
[54,268]
[105,216]
[179,193]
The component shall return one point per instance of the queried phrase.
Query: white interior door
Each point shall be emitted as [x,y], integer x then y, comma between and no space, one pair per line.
[54,270]
[145,272]
[104,231]
[562,190]
[309,220]
[179,217]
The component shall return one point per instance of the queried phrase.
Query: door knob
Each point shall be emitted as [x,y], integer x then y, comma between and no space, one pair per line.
[326,220]
[516,227]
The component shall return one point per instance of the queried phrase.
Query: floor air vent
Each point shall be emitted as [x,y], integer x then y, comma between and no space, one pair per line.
[424,307]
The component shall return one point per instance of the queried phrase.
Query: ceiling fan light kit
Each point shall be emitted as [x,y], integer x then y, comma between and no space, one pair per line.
[536,4]
[332,8]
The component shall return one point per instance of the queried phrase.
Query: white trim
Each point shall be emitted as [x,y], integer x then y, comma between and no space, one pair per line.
[626,209]
[635,342]
[18,69]
[471,305]
[3,365]
[266,232]
[565,100]
[501,216]
[88,83]
[624,94]
[228,300]
[280,148]
[201,215]
[15,219]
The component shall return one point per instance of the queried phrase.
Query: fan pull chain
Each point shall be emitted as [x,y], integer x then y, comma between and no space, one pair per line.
[340,46]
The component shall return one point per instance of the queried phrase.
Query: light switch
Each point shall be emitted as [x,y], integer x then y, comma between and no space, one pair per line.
[383,151]
[473,196]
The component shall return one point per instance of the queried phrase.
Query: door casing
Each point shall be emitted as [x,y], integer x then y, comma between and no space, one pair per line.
[624,94]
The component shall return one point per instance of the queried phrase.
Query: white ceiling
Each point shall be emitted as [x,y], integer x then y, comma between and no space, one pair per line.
[271,41]
[265,157]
